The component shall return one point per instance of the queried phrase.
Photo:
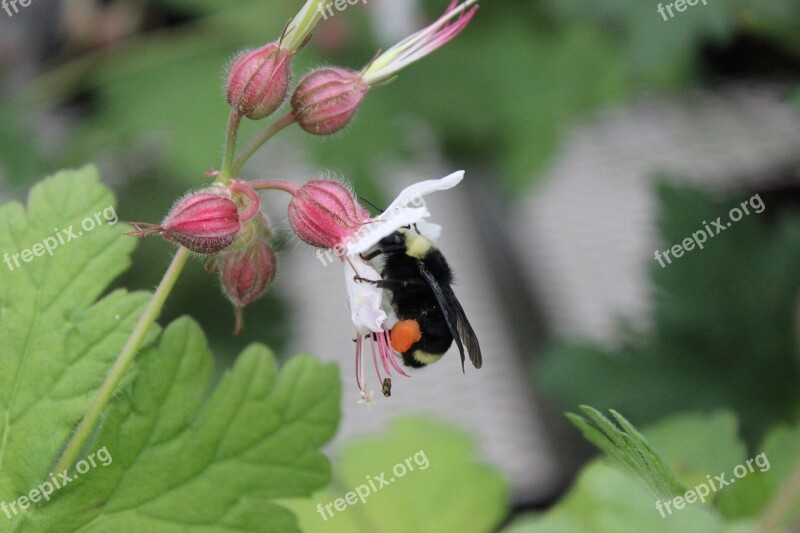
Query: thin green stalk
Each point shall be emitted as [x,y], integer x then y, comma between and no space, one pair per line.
[286,120]
[784,504]
[226,172]
[126,356]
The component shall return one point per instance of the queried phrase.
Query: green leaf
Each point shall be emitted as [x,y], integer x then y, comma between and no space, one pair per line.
[777,459]
[623,442]
[608,500]
[57,343]
[697,445]
[182,462]
[434,484]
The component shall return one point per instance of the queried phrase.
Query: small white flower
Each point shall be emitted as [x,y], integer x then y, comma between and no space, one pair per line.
[366,397]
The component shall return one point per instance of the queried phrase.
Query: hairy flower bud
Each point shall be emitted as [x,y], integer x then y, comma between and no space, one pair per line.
[203,222]
[258,80]
[327,99]
[246,274]
[323,213]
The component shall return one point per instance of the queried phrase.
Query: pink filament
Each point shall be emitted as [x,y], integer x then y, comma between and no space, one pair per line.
[359,363]
[387,353]
[375,358]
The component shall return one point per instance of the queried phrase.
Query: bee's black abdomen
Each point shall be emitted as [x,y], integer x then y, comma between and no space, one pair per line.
[416,301]
[436,339]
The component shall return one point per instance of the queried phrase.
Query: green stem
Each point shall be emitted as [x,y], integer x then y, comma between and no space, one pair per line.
[784,504]
[226,172]
[126,356]
[286,120]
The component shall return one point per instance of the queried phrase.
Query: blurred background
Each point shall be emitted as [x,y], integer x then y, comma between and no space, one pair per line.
[593,133]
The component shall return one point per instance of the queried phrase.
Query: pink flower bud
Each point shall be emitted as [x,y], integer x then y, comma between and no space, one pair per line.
[324,214]
[203,222]
[258,80]
[245,275]
[327,98]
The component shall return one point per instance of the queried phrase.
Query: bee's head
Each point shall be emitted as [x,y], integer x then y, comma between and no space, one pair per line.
[395,239]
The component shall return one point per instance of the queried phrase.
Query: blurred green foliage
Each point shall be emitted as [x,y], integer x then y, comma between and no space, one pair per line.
[697,448]
[723,332]
[665,53]
[444,488]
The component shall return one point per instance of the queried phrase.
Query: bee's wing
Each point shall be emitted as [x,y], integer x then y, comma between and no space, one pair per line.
[457,322]
[465,331]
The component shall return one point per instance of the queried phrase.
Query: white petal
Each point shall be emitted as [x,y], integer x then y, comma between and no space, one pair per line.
[430,230]
[383,226]
[408,208]
[366,299]
[412,195]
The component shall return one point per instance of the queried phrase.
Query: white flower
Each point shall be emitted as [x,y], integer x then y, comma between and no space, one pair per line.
[365,298]
[407,209]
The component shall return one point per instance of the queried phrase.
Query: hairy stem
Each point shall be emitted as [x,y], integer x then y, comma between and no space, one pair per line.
[286,120]
[226,172]
[275,185]
[126,356]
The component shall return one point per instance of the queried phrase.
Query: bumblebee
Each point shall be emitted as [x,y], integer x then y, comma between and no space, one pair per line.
[430,316]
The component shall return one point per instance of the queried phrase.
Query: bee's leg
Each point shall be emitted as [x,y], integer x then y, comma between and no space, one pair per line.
[392,284]
[379,251]
[372,255]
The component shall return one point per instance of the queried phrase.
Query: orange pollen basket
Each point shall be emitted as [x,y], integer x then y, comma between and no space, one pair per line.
[404,334]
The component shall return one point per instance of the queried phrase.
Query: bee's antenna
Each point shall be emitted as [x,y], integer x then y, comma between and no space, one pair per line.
[373,206]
